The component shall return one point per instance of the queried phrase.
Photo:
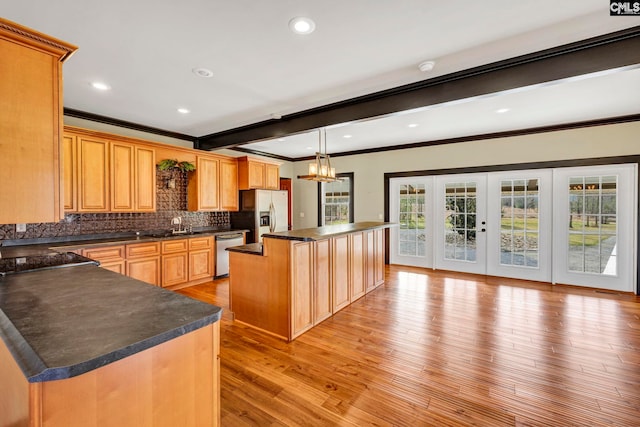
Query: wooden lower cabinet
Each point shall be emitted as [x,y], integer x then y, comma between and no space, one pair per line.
[169,263]
[143,262]
[175,262]
[110,257]
[175,383]
[201,263]
[340,272]
[146,269]
[175,269]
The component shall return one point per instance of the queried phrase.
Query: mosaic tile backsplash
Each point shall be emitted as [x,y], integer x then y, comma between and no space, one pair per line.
[171,202]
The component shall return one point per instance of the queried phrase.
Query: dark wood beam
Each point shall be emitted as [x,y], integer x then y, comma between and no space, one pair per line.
[601,53]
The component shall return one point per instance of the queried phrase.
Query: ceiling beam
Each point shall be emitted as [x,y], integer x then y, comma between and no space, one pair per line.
[609,51]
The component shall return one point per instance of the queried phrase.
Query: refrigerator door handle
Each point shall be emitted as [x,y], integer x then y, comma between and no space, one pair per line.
[272,218]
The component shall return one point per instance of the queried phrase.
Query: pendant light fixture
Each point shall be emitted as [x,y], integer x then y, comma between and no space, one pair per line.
[320,170]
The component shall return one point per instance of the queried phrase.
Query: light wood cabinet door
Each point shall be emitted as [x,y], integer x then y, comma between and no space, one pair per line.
[356,265]
[175,269]
[145,179]
[122,168]
[93,174]
[301,288]
[322,306]
[143,262]
[30,124]
[228,185]
[272,177]
[203,185]
[200,264]
[340,279]
[69,173]
[146,269]
[256,174]
[115,266]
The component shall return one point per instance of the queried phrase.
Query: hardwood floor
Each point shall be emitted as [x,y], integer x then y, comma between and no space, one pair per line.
[442,349]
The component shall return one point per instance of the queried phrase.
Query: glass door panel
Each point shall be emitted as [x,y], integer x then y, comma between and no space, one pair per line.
[411,209]
[595,224]
[460,237]
[519,221]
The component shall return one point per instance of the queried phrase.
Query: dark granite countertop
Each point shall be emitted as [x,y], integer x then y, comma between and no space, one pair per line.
[319,233]
[17,248]
[64,322]
[251,248]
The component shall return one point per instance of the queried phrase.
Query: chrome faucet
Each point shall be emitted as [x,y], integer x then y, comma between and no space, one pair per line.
[177,221]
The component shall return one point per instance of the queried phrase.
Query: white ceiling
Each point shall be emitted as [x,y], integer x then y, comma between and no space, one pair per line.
[146,50]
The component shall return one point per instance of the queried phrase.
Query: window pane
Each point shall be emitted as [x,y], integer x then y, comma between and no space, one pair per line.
[337,197]
[592,224]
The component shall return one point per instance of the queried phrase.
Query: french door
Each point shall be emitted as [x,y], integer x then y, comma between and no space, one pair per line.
[461,223]
[595,226]
[568,225]
[412,199]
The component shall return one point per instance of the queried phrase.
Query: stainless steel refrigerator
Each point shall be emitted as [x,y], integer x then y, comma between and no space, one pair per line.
[261,211]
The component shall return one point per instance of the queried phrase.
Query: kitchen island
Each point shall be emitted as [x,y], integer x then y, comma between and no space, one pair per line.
[296,279]
[84,346]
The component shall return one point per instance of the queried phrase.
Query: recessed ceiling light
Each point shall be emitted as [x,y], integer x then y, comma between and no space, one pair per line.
[202,72]
[183,110]
[302,25]
[426,66]
[502,110]
[309,148]
[347,136]
[413,125]
[280,139]
[100,86]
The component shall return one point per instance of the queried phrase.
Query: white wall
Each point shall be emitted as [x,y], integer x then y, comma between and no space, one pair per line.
[369,169]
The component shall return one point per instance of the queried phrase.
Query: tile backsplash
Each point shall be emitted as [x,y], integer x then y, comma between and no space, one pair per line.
[171,202]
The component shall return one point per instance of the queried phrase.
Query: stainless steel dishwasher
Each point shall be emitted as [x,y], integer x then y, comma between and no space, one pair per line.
[224,241]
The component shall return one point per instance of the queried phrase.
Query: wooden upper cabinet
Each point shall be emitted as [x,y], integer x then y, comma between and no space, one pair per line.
[203,185]
[107,175]
[133,178]
[145,179]
[122,177]
[253,173]
[93,174]
[272,176]
[69,173]
[228,184]
[30,124]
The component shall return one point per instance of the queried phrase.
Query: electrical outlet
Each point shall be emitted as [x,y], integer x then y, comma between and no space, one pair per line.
[380,216]
[301,214]
[21,228]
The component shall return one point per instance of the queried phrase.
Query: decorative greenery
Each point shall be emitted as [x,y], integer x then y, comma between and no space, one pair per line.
[169,164]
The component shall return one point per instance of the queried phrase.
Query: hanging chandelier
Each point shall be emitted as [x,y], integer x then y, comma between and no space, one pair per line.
[320,170]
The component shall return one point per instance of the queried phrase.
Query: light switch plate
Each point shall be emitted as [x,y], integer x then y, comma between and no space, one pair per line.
[21,228]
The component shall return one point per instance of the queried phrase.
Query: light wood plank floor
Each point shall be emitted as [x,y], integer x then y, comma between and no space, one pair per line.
[442,349]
